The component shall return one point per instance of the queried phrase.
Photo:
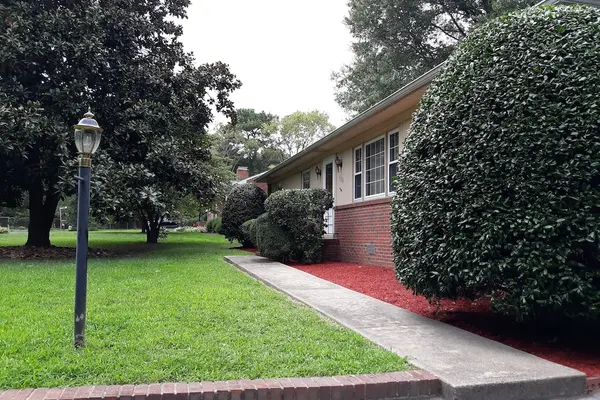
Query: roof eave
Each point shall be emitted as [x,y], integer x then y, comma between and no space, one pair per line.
[416,84]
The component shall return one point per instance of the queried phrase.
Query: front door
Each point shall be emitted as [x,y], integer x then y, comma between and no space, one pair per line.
[328,184]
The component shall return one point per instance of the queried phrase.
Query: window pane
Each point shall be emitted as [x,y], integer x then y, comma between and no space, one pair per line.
[375,168]
[357,186]
[393,172]
[394,146]
[306,180]
[329,178]
[358,160]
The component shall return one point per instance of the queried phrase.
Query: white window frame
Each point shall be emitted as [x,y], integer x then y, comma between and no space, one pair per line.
[390,161]
[302,178]
[361,173]
[364,168]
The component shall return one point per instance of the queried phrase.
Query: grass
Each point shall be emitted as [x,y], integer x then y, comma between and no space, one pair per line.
[177,312]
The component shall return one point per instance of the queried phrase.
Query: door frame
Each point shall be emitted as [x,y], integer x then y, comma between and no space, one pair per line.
[330,160]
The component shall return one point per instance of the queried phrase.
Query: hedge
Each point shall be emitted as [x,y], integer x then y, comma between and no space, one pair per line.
[244,202]
[498,188]
[292,227]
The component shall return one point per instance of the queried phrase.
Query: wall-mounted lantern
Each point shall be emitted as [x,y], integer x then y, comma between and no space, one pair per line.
[318,171]
[338,162]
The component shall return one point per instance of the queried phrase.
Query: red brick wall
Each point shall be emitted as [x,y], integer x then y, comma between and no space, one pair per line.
[364,225]
[331,250]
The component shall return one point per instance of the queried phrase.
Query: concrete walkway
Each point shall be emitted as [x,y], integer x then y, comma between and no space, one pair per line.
[469,366]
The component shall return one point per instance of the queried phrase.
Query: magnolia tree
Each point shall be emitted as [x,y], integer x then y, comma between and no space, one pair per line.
[125,60]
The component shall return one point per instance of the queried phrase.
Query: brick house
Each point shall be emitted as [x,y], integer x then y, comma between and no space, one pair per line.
[357,163]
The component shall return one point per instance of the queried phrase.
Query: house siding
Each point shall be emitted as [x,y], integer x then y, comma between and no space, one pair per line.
[363,232]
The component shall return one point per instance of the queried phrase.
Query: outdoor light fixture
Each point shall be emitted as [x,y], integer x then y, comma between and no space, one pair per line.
[87,139]
[338,162]
[318,171]
[279,186]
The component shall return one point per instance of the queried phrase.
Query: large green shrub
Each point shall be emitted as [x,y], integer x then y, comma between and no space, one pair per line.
[244,202]
[498,187]
[298,215]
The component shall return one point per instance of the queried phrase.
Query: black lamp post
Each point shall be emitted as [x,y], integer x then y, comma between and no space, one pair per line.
[87,139]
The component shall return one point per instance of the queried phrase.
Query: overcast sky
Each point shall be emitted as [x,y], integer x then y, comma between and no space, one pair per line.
[282,51]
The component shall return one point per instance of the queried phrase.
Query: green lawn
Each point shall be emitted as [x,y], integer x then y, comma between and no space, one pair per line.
[176,312]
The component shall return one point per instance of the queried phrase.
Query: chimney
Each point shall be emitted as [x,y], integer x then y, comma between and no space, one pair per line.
[242,173]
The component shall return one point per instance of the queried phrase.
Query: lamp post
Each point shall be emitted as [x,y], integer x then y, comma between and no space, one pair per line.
[87,139]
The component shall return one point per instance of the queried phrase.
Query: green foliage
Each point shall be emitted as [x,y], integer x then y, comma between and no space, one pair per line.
[272,241]
[249,231]
[396,41]
[244,202]
[210,225]
[300,129]
[125,60]
[3,230]
[499,184]
[293,225]
[249,141]
[219,226]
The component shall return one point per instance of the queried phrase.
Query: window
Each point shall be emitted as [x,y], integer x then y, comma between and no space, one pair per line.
[358,173]
[394,152]
[306,180]
[375,167]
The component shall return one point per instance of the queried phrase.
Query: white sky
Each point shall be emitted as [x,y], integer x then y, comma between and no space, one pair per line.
[282,51]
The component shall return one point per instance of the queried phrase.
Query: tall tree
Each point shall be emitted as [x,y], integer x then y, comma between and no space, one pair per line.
[117,56]
[300,129]
[396,41]
[172,150]
[249,141]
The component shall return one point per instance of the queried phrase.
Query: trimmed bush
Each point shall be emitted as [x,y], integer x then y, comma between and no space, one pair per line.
[272,241]
[210,226]
[249,231]
[3,230]
[298,215]
[498,187]
[244,202]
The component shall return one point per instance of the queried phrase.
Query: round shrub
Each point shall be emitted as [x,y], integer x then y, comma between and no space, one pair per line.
[272,241]
[498,187]
[299,213]
[244,202]
[249,231]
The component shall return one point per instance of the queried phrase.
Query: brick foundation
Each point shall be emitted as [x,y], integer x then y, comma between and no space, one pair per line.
[331,250]
[410,384]
[363,231]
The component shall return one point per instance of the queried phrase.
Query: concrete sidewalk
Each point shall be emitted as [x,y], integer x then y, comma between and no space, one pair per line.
[469,366]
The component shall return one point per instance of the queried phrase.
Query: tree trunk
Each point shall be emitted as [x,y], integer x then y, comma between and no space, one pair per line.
[144,225]
[153,229]
[41,216]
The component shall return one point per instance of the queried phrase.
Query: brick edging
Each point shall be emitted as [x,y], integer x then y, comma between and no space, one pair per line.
[348,387]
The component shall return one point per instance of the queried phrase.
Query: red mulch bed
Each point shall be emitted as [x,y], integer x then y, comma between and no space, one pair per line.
[578,348]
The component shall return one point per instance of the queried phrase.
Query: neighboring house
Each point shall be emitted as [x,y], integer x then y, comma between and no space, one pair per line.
[243,176]
[357,163]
